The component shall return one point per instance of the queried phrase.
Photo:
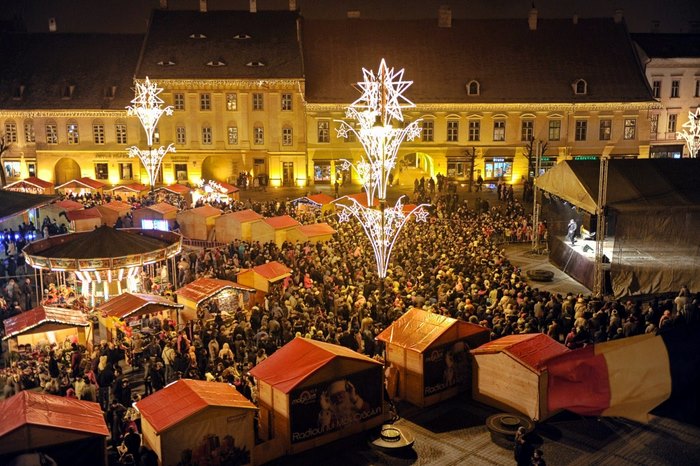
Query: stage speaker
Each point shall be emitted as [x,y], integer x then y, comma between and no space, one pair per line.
[587,248]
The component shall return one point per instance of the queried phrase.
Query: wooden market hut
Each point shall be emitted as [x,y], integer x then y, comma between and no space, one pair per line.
[273,229]
[431,353]
[306,399]
[236,226]
[210,418]
[160,211]
[81,186]
[125,191]
[232,192]
[127,307]
[262,276]
[195,295]
[84,219]
[314,233]
[68,430]
[112,210]
[31,185]
[510,373]
[46,323]
[181,190]
[53,210]
[198,223]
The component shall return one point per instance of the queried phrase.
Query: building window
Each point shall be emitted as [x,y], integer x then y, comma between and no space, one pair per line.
[180,171]
[232,102]
[51,134]
[258,135]
[205,101]
[287,136]
[98,133]
[232,133]
[697,88]
[630,128]
[73,136]
[473,88]
[324,131]
[656,89]
[428,131]
[554,130]
[527,130]
[672,119]
[258,102]
[452,130]
[206,135]
[654,124]
[29,135]
[605,132]
[286,102]
[474,130]
[179,99]
[10,132]
[101,171]
[675,88]
[126,171]
[581,87]
[180,135]
[581,130]
[121,133]
[499,130]
[350,137]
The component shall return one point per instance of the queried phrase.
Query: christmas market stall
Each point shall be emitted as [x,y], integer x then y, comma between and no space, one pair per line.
[126,191]
[67,430]
[46,325]
[273,229]
[315,202]
[81,186]
[31,185]
[17,207]
[206,296]
[198,223]
[236,226]
[180,191]
[313,233]
[112,210]
[199,422]
[84,219]
[511,373]
[54,211]
[161,216]
[311,393]
[216,191]
[128,309]
[105,261]
[429,353]
[261,277]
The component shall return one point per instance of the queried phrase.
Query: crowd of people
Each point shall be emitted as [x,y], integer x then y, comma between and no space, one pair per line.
[451,265]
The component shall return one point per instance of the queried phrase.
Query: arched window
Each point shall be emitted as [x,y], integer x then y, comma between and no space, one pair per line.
[473,87]
[581,87]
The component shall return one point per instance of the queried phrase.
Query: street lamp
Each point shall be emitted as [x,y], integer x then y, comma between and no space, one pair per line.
[147,107]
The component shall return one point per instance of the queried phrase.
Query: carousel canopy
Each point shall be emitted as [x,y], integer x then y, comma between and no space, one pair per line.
[14,203]
[281,222]
[82,183]
[133,304]
[299,359]
[184,398]
[44,319]
[32,182]
[204,288]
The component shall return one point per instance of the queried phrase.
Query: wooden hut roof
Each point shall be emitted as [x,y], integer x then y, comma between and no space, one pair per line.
[117,205]
[281,222]
[32,181]
[67,204]
[129,304]
[206,211]
[13,202]
[316,229]
[83,214]
[49,318]
[246,215]
[531,349]
[321,198]
[177,189]
[133,187]
[83,182]
[203,288]
[272,271]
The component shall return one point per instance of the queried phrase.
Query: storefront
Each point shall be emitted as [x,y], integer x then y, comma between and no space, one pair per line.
[322,172]
[14,168]
[496,168]
[674,151]
[546,162]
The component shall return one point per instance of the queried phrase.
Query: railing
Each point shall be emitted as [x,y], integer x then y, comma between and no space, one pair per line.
[199,243]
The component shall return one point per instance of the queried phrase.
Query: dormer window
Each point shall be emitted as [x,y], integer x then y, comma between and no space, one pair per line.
[218,62]
[110,92]
[166,63]
[18,93]
[242,36]
[580,87]
[67,92]
[255,64]
[197,36]
[473,87]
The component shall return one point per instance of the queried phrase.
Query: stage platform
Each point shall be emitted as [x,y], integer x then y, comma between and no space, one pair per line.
[578,261]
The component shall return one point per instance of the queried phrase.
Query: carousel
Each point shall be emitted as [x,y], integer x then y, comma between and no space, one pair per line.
[104,261]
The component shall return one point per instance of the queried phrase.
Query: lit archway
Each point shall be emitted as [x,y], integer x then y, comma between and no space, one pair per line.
[66,169]
[413,166]
[217,168]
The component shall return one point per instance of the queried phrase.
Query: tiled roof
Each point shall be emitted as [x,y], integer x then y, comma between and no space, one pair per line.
[32,180]
[316,229]
[669,45]
[134,187]
[117,205]
[206,211]
[272,270]
[67,204]
[203,288]
[273,41]
[510,62]
[177,189]
[83,182]
[83,214]
[321,198]
[162,207]
[46,63]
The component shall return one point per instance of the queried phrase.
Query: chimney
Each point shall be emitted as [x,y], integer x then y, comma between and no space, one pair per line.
[253,6]
[202,6]
[532,19]
[575,19]
[52,24]
[164,4]
[292,5]
[353,14]
[445,16]
[618,16]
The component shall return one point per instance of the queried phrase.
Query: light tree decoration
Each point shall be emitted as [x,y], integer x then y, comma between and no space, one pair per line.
[147,107]
[382,102]
[692,133]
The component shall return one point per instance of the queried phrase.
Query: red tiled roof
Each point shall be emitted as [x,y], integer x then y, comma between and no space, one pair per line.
[418,329]
[229,187]
[321,198]
[531,349]
[247,215]
[67,204]
[128,304]
[162,207]
[180,400]
[54,317]
[177,188]
[281,222]
[117,205]
[83,182]
[133,187]
[44,410]
[207,211]
[83,214]
[204,288]
[273,270]
[316,229]
[32,180]
[296,361]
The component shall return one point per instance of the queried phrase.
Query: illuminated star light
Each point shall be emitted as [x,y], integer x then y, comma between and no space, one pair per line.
[691,134]
[147,106]
[387,84]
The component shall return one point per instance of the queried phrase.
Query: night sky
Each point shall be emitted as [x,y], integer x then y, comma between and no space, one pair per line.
[131,16]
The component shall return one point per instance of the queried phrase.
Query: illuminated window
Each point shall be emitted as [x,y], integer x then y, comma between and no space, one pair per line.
[29,135]
[527,130]
[180,171]
[180,135]
[452,130]
[205,101]
[581,130]
[654,124]
[206,135]
[73,136]
[179,99]
[10,131]
[120,130]
[258,102]
[258,135]
[286,102]
[605,130]
[428,131]
[232,102]
[499,130]
[126,171]
[324,131]
[101,171]
[630,128]
[232,132]
[675,88]
[656,89]
[286,136]
[98,133]
[474,130]
[51,134]
[554,130]
[672,119]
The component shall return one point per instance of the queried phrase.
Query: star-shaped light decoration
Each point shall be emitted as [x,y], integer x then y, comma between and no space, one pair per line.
[691,133]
